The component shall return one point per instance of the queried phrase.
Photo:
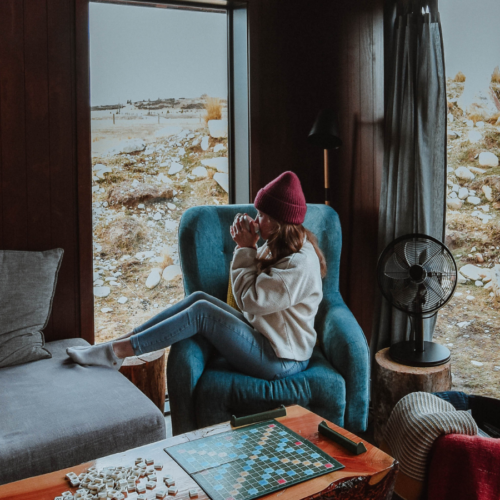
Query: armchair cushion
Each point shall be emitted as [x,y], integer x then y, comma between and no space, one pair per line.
[222,392]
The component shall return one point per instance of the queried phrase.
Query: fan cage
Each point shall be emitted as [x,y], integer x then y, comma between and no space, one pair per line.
[417,274]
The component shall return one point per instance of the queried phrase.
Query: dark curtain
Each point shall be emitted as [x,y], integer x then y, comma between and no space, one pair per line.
[414,178]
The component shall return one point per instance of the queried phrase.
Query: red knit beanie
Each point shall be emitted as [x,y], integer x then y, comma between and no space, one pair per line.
[283,199]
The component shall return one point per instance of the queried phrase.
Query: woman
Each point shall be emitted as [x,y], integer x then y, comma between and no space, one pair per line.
[278,288]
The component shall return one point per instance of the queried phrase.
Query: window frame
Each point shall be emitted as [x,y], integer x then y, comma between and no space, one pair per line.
[239,132]
[238,96]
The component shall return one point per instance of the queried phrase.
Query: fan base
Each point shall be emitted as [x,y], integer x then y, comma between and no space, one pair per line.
[433,355]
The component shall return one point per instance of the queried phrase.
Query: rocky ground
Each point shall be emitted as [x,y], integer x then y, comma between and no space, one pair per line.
[141,187]
[470,323]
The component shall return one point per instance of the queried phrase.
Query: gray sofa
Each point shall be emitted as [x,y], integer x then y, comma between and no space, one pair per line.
[56,414]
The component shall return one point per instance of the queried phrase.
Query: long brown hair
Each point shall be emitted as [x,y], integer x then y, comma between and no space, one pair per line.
[285,240]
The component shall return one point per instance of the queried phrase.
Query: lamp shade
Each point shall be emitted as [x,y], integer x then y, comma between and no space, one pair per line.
[325,131]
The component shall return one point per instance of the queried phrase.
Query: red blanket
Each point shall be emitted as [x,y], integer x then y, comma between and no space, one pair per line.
[464,468]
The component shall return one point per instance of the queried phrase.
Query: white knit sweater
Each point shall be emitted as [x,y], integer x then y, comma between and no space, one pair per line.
[281,305]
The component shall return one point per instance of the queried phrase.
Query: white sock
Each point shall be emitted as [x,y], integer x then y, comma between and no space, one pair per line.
[123,337]
[98,355]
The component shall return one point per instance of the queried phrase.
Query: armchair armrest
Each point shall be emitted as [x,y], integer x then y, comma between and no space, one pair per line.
[344,345]
[186,362]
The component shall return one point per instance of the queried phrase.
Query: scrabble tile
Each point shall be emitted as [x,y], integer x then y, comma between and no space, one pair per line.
[142,497]
[141,488]
[158,466]
[149,461]
[169,482]
[173,491]
[150,485]
[152,477]
[193,493]
[161,494]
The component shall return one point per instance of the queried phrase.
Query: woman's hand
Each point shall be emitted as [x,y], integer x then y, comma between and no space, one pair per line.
[244,233]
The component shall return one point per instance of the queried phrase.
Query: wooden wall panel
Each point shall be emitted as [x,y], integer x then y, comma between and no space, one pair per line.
[12,125]
[304,58]
[39,167]
[84,170]
[37,131]
[62,130]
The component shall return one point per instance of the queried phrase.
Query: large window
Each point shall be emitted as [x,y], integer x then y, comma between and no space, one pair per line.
[470,324]
[159,96]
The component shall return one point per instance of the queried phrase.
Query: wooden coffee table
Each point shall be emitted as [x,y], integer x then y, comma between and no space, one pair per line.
[369,476]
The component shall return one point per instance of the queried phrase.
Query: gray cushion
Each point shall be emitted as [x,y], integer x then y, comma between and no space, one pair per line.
[56,414]
[27,285]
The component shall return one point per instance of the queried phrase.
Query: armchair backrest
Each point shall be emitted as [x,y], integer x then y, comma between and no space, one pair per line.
[206,247]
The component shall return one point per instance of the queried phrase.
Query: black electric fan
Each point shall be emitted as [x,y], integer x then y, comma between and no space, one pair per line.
[417,274]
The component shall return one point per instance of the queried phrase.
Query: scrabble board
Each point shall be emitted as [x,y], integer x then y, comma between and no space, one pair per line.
[252,461]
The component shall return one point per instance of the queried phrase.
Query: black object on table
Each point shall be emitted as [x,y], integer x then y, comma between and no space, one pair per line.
[356,448]
[258,417]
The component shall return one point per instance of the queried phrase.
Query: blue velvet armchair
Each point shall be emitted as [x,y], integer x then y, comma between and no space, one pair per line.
[204,389]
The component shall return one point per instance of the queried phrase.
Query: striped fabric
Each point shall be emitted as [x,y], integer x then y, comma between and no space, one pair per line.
[416,422]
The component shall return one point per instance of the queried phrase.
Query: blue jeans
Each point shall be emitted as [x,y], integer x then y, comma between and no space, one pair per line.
[246,349]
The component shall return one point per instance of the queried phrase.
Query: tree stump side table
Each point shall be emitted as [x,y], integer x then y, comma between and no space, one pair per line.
[392,381]
[147,373]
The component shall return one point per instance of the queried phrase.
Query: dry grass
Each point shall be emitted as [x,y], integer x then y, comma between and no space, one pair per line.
[477,341]
[490,180]
[495,77]
[123,235]
[454,239]
[480,340]
[125,194]
[459,77]
[476,117]
[167,261]
[213,107]
[493,119]
[492,139]
[463,223]
[467,153]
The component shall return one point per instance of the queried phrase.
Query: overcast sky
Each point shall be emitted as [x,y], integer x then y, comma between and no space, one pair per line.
[145,53]
[471,32]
